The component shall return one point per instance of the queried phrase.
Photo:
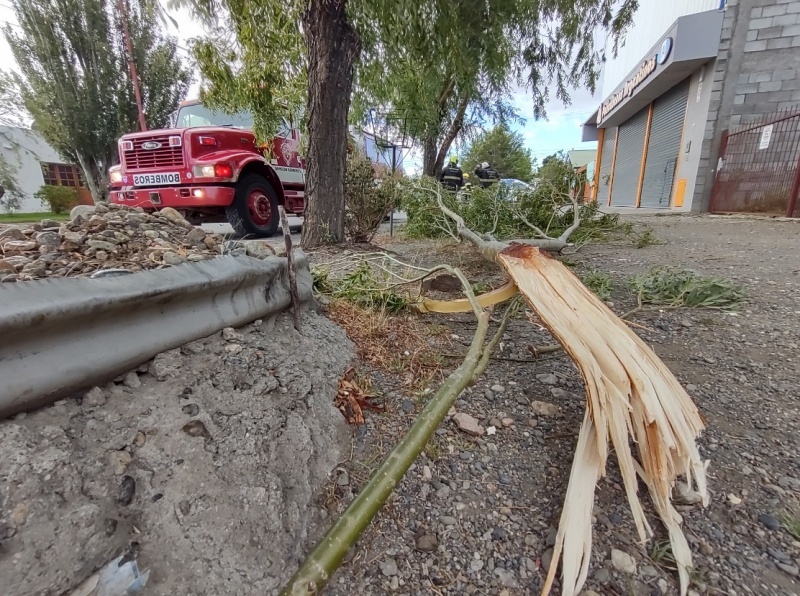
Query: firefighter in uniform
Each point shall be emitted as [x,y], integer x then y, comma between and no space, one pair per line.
[452,178]
[486,174]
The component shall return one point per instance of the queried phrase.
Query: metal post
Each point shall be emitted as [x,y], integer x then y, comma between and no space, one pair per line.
[132,65]
[391,213]
[795,190]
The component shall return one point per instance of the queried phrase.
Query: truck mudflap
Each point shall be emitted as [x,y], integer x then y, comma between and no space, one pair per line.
[178,197]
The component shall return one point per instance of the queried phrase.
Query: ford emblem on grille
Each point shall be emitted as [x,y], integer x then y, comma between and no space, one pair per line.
[151,145]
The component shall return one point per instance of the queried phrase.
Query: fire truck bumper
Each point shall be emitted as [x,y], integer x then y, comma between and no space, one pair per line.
[179,197]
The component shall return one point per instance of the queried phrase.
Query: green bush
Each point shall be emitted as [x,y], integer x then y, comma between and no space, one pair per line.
[367,200]
[58,199]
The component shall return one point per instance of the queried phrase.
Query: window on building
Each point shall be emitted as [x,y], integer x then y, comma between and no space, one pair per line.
[59,174]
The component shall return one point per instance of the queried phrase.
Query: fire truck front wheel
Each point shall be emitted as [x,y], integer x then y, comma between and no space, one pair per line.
[254,211]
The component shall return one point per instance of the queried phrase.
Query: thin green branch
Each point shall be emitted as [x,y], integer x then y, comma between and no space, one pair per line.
[318,567]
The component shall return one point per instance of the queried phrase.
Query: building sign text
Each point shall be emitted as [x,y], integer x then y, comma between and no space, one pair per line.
[646,69]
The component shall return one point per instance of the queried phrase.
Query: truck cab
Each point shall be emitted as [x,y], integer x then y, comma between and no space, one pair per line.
[210,167]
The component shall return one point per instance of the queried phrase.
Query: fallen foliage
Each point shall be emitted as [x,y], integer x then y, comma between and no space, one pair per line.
[492,211]
[676,287]
[361,286]
[351,399]
[598,282]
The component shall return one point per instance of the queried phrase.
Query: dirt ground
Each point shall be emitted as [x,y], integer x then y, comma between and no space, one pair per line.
[215,513]
[478,515]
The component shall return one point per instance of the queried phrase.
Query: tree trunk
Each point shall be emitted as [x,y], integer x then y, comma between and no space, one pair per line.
[433,157]
[452,133]
[429,156]
[333,47]
[94,178]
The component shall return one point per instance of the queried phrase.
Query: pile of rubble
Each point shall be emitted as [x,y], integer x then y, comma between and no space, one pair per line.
[106,238]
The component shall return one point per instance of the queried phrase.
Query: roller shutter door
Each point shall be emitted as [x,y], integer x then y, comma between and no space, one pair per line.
[663,148]
[628,164]
[609,136]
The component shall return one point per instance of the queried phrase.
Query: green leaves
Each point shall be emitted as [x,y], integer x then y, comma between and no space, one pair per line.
[676,287]
[75,82]
[504,149]
[253,60]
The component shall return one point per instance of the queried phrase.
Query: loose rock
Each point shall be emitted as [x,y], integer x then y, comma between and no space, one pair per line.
[541,408]
[94,397]
[120,460]
[127,490]
[103,238]
[389,567]
[468,424]
[132,380]
[548,379]
[258,249]
[622,561]
[770,521]
[427,543]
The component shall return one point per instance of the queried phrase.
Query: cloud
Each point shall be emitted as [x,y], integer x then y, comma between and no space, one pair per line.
[561,130]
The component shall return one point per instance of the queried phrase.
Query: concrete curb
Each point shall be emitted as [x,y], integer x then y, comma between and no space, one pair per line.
[63,335]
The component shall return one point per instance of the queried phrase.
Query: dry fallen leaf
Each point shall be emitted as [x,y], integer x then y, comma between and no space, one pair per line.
[351,400]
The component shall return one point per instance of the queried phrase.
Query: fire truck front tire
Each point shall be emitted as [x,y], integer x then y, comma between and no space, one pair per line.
[254,211]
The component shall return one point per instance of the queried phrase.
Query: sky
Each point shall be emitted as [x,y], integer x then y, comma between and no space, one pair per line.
[560,131]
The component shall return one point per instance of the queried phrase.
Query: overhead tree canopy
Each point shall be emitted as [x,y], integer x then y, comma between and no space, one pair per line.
[504,149]
[435,68]
[446,68]
[12,112]
[75,83]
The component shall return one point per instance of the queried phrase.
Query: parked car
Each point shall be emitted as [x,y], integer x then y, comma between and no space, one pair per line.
[513,187]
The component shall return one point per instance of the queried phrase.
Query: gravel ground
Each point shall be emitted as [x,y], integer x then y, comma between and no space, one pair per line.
[477,515]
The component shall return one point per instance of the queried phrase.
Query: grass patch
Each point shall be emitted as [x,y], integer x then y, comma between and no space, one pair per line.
[398,344]
[598,282]
[661,555]
[675,287]
[14,218]
[792,524]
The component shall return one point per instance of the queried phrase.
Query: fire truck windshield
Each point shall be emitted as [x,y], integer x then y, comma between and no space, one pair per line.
[192,116]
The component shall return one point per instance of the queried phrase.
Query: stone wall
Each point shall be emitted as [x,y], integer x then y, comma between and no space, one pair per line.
[757,72]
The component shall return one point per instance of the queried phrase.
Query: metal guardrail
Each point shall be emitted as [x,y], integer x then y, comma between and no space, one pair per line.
[60,336]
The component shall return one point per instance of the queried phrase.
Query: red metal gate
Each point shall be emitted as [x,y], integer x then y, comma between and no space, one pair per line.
[759,167]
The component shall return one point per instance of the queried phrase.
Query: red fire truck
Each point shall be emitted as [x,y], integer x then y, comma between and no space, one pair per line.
[210,167]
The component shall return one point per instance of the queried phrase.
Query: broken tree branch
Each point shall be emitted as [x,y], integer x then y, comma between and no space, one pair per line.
[489,247]
[632,398]
[318,567]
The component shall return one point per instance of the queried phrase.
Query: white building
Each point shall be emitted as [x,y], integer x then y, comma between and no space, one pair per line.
[695,86]
[35,163]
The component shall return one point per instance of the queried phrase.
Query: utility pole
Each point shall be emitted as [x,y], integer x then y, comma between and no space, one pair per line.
[132,65]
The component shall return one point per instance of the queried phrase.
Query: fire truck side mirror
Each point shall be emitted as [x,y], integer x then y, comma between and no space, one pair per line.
[173,119]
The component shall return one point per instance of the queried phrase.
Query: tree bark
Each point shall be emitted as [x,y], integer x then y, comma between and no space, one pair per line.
[455,127]
[433,156]
[95,179]
[429,157]
[333,47]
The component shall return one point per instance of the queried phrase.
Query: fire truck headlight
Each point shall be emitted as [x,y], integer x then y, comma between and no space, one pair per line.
[115,176]
[204,171]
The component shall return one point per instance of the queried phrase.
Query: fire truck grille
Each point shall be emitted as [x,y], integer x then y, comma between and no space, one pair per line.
[142,159]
